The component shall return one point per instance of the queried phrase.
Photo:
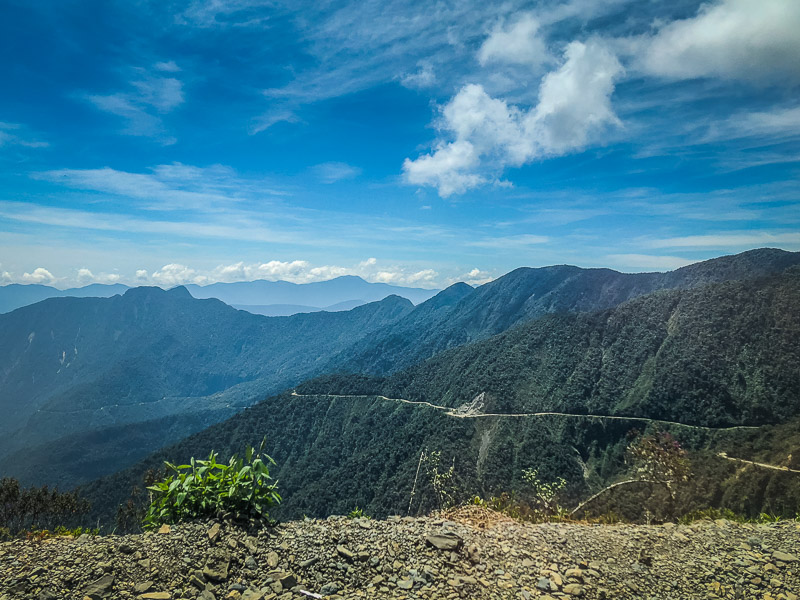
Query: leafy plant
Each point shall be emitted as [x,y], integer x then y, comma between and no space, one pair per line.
[538,504]
[442,482]
[358,513]
[241,488]
[543,497]
[656,460]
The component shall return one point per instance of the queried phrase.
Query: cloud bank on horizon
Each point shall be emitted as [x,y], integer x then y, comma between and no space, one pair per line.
[404,142]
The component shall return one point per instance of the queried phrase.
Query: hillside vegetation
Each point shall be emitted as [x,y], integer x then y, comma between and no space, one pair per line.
[719,355]
[165,365]
[73,365]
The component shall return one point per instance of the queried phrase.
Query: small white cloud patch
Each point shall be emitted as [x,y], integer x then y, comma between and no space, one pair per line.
[39,275]
[519,43]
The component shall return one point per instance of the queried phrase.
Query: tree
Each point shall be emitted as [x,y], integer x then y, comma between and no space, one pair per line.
[656,459]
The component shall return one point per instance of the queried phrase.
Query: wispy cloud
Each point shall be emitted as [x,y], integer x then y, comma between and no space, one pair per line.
[15,134]
[167,187]
[732,239]
[646,261]
[150,95]
[510,242]
[778,124]
[331,172]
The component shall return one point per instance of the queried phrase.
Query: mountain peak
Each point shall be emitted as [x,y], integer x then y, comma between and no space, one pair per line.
[179,291]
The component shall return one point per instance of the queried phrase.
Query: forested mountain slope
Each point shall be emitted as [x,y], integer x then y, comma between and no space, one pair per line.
[76,364]
[526,294]
[719,355]
[151,356]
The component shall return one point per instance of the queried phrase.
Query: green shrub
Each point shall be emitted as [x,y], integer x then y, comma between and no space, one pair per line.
[538,504]
[242,489]
[358,513]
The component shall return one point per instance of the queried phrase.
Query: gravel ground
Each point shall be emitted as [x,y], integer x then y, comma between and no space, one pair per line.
[467,553]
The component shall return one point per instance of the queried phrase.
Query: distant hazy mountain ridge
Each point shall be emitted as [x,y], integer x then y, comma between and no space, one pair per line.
[270,298]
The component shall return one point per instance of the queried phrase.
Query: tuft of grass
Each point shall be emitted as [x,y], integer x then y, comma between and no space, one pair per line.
[358,513]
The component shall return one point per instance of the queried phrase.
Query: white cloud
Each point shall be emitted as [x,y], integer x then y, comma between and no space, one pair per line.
[489,135]
[142,107]
[142,275]
[519,43]
[646,261]
[177,274]
[331,172]
[511,241]
[423,77]
[777,124]
[325,272]
[14,134]
[752,40]
[168,66]
[85,275]
[399,276]
[731,239]
[166,187]
[474,277]
[39,275]
[424,276]
[271,270]
[575,101]
[447,168]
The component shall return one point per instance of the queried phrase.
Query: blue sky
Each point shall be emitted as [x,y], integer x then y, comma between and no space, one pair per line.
[416,143]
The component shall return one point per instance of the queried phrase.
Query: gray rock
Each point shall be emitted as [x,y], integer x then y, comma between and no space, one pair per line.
[329,589]
[100,587]
[213,533]
[141,588]
[345,553]
[287,580]
[217,565]
[784,556]
[447,540]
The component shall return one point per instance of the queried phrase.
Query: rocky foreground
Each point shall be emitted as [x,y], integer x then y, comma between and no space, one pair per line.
[468,553]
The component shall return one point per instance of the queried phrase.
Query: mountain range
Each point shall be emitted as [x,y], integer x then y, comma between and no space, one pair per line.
[70,365]
[703,360]
[92,385]
[270,298]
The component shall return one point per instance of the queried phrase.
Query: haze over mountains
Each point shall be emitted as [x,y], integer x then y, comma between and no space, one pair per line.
[76,364]
[271,298]
[118,377]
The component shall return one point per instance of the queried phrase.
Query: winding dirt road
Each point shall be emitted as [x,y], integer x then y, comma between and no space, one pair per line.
[449,411]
